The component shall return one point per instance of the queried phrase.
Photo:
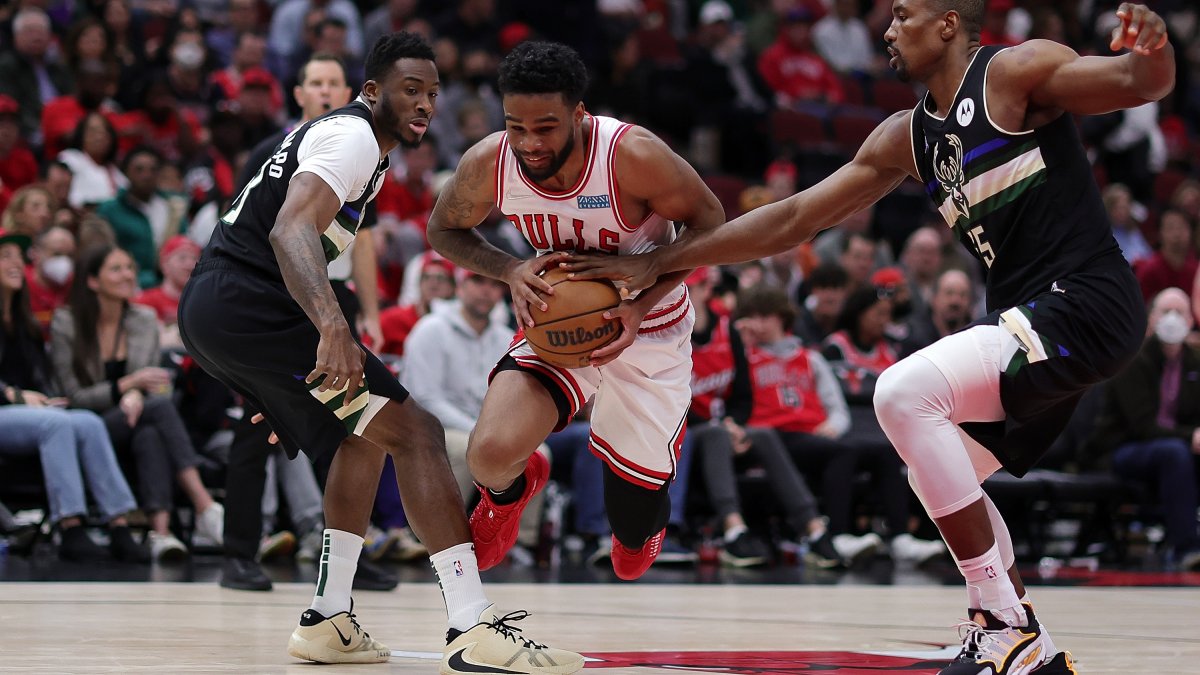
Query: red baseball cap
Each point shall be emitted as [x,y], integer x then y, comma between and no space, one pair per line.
[431,259]
[176,243]
[887,277]
[258,77]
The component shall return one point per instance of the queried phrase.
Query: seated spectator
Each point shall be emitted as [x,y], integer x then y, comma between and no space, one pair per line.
[18,166]
[817,318]
[29,211]
[842,39]
[57,179]
[921,259]
[858,353]
[1174,264]
[159,121]
[92,159]
[795,392]
[721,406]
[436,282]
[795,72]
[448,358]
[1151,423]
[948,311]
[249,56]
[95,83]
[404,204]
[178,257]
[1118,201]
[73,445]
[141,216]
[105,354]
[48,276]
[28,73]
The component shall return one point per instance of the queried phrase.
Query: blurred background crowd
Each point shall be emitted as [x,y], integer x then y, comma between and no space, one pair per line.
[125,131]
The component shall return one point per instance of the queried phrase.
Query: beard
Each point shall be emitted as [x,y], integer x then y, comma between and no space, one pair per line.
[557,160]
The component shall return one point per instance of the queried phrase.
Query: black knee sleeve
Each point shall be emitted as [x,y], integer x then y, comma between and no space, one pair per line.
[634,512]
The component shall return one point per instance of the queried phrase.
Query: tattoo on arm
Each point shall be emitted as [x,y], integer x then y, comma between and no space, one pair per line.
[458,211]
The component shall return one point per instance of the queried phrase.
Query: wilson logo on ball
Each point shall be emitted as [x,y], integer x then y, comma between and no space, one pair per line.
[579,336]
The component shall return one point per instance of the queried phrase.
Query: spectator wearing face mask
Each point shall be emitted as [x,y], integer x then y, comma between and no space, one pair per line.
[49,273]
[1151,423]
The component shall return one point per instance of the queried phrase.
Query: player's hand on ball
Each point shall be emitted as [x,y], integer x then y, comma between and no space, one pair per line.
[630,315]
[1141,30]
[257,419]
[527,287]
[340,361]
[630,272]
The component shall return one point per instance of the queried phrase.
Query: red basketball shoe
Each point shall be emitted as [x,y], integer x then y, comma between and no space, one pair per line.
[494,526]
[630,564]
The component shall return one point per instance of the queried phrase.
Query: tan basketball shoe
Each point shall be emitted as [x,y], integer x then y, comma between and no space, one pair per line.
[336,639]
[495,646]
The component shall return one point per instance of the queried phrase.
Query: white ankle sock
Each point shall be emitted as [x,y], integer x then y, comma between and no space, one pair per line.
[339,561]
[458,577]
[734,532]
[986,576]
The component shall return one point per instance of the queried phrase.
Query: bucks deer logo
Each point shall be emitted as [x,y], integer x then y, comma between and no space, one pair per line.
[949,172]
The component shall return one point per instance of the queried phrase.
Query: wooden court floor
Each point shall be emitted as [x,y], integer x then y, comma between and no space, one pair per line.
[629,628]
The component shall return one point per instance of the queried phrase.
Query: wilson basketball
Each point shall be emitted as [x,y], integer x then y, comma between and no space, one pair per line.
[573,325]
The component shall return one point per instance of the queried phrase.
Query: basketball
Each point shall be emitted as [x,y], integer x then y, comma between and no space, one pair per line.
[573,325]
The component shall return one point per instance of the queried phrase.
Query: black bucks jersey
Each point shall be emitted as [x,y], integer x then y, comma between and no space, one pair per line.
[1026,205]
[340,148]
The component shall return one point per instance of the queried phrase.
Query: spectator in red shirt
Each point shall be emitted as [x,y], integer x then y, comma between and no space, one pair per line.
[18,167]
[95,83]
[49,273]
[793,70]
[404,206]
[176,259]
[435,283]
[995,24]
[160,123]
[248,57]
[1174,264]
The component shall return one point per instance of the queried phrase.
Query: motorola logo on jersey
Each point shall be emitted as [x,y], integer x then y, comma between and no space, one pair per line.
[579,336]
[965,112]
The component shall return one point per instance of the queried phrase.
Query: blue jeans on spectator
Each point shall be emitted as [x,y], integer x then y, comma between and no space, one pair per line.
[569,447]
[1169,464]
[74,447]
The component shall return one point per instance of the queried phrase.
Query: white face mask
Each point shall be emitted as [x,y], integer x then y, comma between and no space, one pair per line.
[58,269]
[1172,328]
[188,55]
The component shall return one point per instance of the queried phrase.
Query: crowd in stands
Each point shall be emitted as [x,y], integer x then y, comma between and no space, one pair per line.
[127,127]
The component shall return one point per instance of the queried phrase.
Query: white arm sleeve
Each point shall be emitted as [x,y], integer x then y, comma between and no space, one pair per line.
[343,152]
[830,391]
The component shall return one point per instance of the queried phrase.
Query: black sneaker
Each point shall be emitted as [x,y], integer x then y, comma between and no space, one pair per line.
[992,647]
[77,546]
[821,553]
[244,575]
[745,551]
[124,547]
[372,577]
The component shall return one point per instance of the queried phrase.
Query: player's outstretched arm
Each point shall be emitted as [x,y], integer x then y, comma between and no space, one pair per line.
[882,163]
[1053,76]
[463,203]
[309,208]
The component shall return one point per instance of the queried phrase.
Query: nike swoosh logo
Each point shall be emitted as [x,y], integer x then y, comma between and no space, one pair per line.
[509,195]
[461,665]
[345,640]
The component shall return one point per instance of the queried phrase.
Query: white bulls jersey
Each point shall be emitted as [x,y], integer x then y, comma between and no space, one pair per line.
[641,398]
[587,217]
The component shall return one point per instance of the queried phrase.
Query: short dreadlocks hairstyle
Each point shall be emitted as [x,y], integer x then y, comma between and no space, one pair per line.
[391,48]
[544,68]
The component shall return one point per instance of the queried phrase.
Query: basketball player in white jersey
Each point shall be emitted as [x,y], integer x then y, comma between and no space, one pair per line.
[575,182]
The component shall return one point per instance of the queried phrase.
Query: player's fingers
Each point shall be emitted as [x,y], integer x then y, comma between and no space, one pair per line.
[316,373]
[258,418]
[273,439]
[521,311]
[539,285]
[532,297]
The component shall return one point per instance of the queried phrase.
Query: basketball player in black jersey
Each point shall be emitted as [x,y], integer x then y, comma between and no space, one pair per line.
[260,315]
[994,144]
